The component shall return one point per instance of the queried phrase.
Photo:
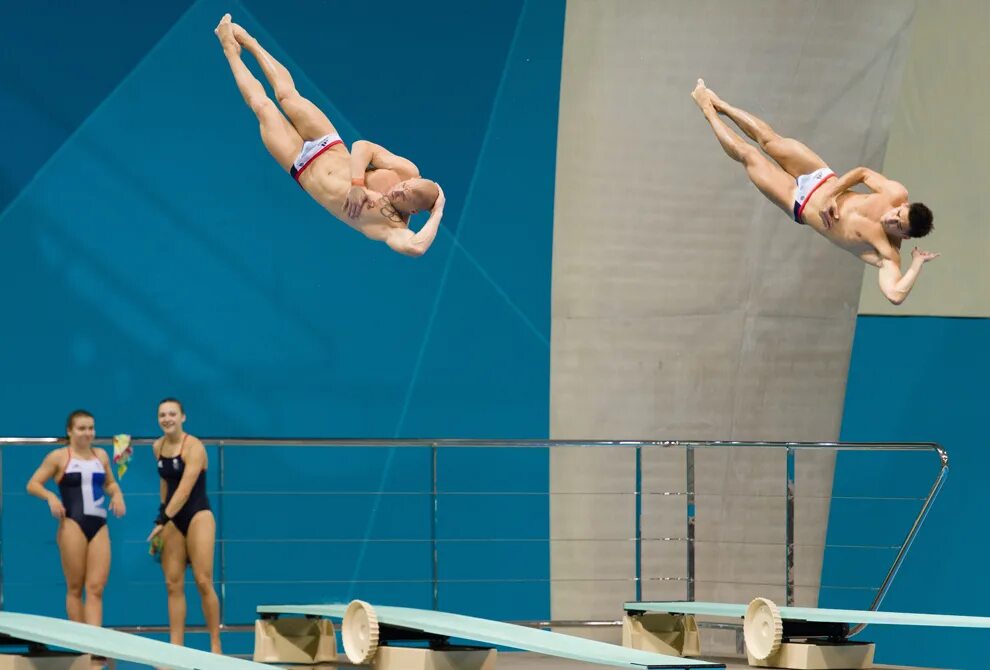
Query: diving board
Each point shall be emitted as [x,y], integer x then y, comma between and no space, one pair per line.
[364,626]
[114,644]
[813,614]
[801,638]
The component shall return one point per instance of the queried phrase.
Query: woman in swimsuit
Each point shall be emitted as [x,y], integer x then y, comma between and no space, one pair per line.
[185,522]
[84,480]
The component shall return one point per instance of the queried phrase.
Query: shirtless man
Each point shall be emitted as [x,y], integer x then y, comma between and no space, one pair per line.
[368,188]
[869,226]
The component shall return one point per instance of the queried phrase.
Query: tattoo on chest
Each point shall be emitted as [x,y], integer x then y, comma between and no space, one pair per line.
[387,210]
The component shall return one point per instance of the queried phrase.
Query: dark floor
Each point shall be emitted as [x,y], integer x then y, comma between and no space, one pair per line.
[529,661]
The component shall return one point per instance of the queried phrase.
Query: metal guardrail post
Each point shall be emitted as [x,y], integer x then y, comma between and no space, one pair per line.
[3,545]
[638,495]
[434,522]
[220,534]
[789,531]
[690,484]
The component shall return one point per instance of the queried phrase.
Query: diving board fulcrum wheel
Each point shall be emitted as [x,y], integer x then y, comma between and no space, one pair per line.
[359,631]
[763,628]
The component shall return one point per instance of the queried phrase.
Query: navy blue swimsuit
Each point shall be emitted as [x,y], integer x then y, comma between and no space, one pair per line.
[81,490]
[170,469]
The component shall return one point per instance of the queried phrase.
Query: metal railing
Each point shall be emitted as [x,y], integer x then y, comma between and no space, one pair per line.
[690,447]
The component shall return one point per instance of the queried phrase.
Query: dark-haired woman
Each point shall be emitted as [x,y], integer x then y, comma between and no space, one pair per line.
[185,522]
[84,480]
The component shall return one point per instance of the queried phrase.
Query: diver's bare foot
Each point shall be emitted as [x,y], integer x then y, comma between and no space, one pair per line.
[701,95]
[239,33]
[224,31]
[224,21]
[717,102]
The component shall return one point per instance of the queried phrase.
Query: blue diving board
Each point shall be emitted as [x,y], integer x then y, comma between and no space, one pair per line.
[814,614]
[502,634]
[114,644]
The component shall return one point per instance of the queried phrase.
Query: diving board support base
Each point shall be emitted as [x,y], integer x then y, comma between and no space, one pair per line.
[45,661]
[818,656]
[294,640]
[772,642]
[413,658]
[671,634]
[40,657]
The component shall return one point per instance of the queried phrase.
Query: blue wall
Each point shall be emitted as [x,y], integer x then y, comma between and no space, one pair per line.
[152,247]
[915,379]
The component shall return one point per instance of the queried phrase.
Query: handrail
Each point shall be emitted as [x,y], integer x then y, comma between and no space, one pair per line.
[909,540]
[502,443]
[688,445]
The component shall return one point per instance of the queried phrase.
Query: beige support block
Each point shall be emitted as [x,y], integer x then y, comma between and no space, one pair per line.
[294,640]
[49,661]
[670,634]
[410,658]
[819,656]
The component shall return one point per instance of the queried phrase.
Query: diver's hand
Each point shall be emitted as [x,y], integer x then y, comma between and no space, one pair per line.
[925,256]
[441,201]
[356,199]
